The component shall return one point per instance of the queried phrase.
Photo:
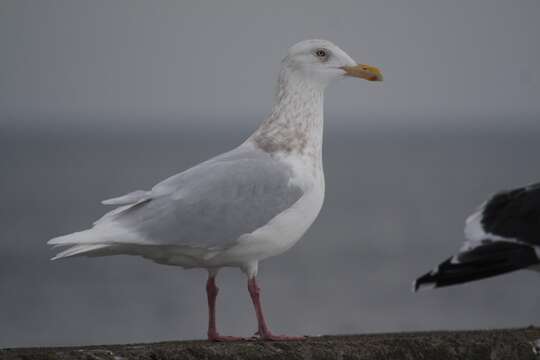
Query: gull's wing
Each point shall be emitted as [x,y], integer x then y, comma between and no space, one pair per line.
[502,236]
[209,205]
[512,215]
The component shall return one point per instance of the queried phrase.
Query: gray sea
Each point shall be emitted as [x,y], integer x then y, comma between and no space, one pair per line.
[396,200]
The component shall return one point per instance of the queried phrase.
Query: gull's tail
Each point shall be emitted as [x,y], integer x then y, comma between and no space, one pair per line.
[80,250]
[80,243]
[101,240]
[106,236]
[481,262]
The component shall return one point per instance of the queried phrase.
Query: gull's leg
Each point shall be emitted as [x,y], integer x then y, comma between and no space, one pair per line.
[211,293]
[263,330]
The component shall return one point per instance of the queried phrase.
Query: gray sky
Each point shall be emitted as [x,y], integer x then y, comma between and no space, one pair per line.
[127,59]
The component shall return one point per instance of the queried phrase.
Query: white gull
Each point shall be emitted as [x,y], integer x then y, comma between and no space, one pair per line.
[243,206]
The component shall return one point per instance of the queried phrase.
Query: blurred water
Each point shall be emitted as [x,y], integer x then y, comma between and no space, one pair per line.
[395,204]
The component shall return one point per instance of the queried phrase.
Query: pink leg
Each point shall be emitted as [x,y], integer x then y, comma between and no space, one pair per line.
[211,293]
[263,330]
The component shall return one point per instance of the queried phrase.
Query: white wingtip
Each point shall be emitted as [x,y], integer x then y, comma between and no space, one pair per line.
[78,250]
[127,199]
[71,239]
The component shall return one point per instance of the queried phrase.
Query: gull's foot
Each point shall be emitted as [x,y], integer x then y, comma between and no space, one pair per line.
[220,338]
[271,337]
[282,338]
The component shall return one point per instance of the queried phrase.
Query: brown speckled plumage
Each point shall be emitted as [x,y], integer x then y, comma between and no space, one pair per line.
[296,122]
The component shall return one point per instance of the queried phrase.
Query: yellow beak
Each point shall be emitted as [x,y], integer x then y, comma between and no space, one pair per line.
[363,71]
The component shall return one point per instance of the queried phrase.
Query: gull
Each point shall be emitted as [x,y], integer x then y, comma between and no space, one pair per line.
[240,207]
[502,236]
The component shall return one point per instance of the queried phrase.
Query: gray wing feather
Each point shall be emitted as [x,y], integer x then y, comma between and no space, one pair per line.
[212,204]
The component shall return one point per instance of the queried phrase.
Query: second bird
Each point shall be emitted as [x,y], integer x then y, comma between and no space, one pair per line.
[502,236]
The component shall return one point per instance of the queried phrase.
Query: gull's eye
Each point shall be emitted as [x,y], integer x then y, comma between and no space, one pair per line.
[321,53]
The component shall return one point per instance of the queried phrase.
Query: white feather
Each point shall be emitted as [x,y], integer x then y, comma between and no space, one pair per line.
[130,198]
[79,250]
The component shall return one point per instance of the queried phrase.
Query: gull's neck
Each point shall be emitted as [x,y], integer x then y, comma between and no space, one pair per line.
[295,125]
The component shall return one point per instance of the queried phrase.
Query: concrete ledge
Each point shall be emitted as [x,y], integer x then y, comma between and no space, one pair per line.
[508,344]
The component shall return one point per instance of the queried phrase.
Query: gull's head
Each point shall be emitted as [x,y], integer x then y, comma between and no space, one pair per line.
[321,62]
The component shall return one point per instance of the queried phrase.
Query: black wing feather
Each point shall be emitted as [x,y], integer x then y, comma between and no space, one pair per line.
[514,214]
[490,259]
